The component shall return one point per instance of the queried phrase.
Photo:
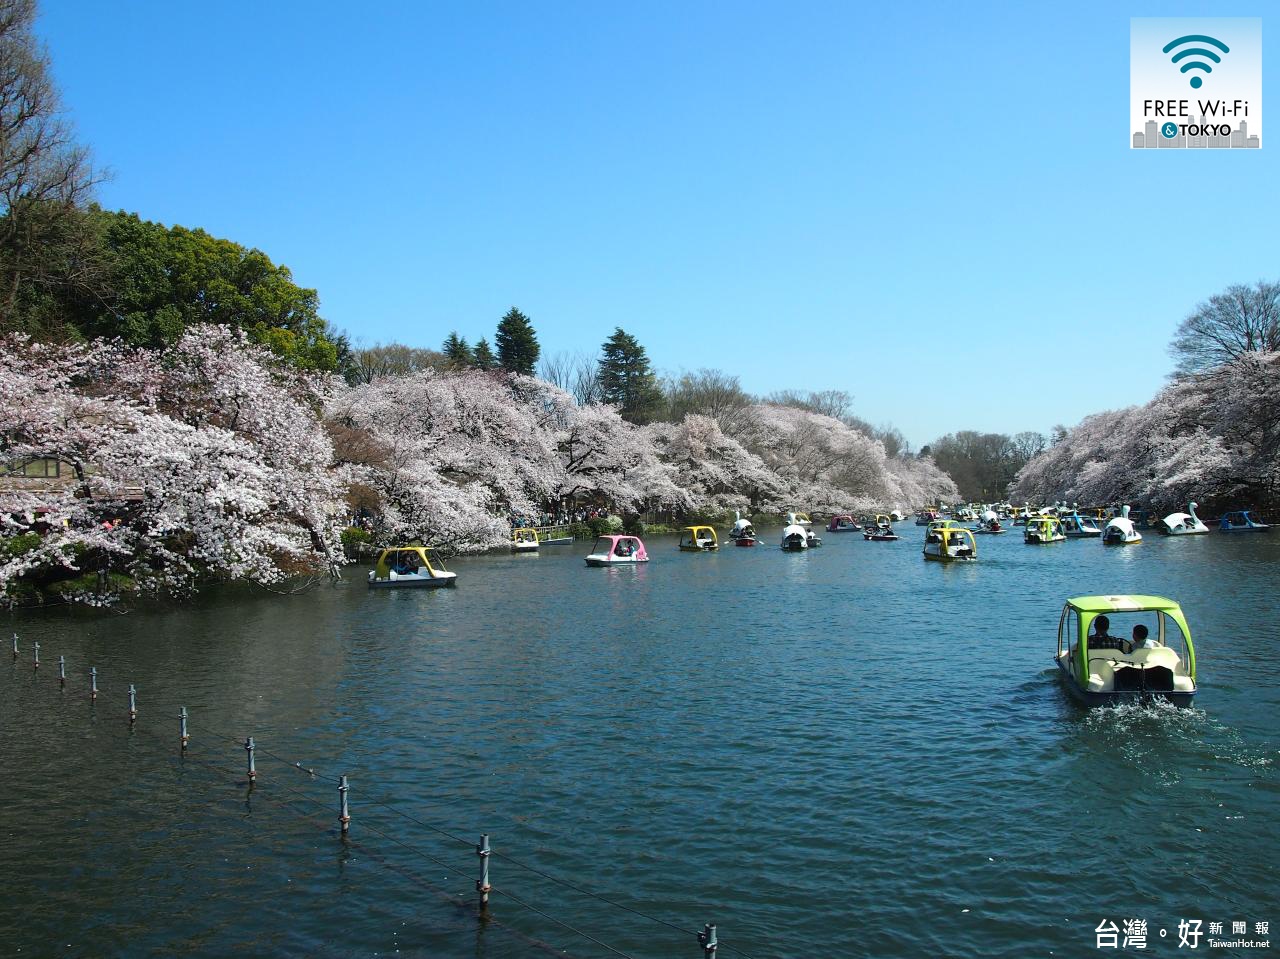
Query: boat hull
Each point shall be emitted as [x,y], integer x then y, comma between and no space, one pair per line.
[558,541]
[697,549]
[1088,697]
[413,582]
[745,541]
[610,561]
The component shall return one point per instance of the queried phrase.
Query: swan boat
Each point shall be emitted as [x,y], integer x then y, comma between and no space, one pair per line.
[1182,524]
[1079,527]
[1120,530]
[1240,521]
[795,538]
[743,533]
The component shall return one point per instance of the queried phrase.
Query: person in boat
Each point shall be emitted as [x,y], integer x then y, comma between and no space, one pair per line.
[1101,639]
[623,548]
[1140,640]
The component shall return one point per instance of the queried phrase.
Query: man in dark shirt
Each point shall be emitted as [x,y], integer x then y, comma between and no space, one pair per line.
[1100,638]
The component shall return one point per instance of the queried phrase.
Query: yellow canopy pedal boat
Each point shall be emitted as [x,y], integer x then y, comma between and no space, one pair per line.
[524,540]
[950,544]
[697,539]
[406,566]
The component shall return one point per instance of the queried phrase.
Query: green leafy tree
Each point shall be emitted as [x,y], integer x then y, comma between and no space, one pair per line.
[160,280]
[482,357]
[457,351]
[627,379]
[517,343]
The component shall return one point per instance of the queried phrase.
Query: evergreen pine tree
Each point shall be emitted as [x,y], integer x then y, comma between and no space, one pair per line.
[482,356]
[456,351]
[627,379]
[517,343]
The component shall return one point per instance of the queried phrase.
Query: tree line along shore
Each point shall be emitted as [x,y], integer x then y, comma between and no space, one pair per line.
[175,410]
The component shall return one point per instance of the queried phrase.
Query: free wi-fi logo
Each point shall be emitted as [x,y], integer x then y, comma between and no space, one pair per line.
[1196,79]
[1195,83]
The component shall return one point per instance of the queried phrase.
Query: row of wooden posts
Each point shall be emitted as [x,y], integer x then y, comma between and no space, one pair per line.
[706,938]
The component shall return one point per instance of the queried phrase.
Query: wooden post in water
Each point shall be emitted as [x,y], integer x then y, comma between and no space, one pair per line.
[707,940]
[62,671]
[182,727]
[35,655]
[93,682]
[482,884]
[133,705]
[248,748]
[344,813]
[15,645]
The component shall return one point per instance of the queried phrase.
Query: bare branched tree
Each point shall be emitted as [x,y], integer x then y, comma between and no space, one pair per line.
[392,359]
[1241,319]
[45,176]
[834,403]
[577,373]
[710,393]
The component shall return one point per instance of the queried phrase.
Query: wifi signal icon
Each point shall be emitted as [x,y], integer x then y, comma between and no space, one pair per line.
[1196,81]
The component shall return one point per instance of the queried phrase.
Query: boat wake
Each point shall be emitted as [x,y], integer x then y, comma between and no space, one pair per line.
[1147,730]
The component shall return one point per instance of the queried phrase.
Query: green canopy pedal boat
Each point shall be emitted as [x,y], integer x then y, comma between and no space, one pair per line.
[1099,669]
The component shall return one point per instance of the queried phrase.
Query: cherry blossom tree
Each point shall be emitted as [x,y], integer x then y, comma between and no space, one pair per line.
[713,469]
[601,455]
[205,461]
[823,463]
[449,454]
[1210,436]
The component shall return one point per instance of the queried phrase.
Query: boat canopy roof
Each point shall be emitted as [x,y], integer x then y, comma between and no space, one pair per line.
[404,556]
[1135,603]
[700,529]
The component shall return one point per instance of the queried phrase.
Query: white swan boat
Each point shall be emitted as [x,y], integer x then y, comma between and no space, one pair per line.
[1182,524]
[1120,531]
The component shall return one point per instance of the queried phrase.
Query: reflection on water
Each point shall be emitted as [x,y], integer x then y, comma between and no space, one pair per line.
[746,737]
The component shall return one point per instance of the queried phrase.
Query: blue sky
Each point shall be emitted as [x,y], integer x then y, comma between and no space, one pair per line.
[810,196]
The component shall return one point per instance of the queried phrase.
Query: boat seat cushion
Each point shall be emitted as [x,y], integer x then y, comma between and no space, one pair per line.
[1114,669]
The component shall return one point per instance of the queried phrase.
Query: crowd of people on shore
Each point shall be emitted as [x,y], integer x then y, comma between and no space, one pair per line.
[561,518]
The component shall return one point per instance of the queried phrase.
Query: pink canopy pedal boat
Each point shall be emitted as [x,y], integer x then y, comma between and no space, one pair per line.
[617,551]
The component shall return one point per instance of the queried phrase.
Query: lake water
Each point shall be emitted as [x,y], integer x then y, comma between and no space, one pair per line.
[845,752]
